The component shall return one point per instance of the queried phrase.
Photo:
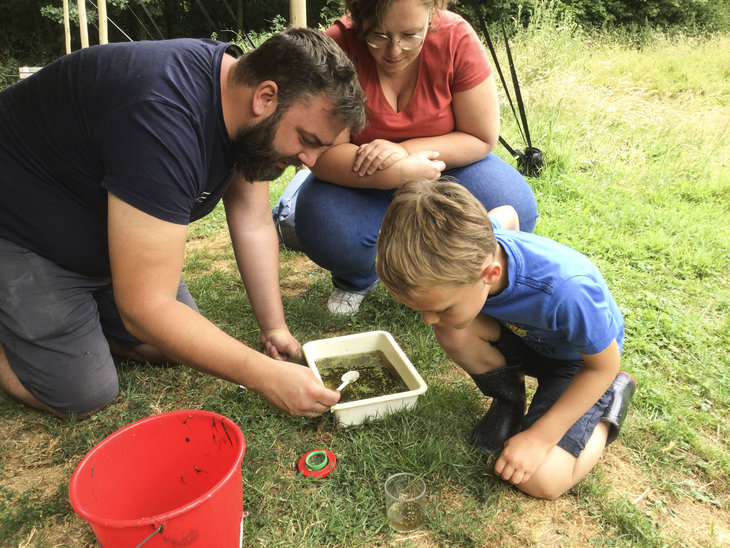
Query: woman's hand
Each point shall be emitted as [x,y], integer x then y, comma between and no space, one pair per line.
[420,165]
[378,154]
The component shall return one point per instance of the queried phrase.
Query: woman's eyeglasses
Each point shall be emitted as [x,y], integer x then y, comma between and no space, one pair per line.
[406,42]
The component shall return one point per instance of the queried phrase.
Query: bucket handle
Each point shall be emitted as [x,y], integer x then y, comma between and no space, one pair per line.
[158,530]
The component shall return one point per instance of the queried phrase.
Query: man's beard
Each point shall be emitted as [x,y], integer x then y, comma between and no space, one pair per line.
[254,153]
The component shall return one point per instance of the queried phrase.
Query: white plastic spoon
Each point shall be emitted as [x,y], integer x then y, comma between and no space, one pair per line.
[347,378]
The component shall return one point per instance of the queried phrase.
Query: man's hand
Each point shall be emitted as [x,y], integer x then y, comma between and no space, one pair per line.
[280,344]
[297,391]
[523,454]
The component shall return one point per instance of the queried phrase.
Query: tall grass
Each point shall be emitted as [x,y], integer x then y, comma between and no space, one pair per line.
[637,144]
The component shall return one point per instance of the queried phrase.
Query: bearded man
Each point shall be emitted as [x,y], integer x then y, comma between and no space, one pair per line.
[107,155]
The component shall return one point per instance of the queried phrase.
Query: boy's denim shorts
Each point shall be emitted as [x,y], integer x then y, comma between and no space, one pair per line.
[53,329]
[553,376]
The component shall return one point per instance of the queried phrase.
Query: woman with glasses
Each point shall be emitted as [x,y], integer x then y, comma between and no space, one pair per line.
[432,112]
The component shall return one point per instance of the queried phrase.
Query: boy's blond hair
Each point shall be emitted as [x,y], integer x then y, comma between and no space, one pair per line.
[434,233]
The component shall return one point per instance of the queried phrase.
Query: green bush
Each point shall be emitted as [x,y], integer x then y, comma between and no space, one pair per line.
[8,70]
[688,15]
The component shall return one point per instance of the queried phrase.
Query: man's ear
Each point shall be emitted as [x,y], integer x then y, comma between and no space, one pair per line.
[265,98]
[491,271]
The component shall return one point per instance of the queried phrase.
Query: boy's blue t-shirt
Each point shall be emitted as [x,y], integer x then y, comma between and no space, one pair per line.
[557,301]
[141,120]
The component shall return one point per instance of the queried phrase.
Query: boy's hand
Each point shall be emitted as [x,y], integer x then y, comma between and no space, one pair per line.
[522,455]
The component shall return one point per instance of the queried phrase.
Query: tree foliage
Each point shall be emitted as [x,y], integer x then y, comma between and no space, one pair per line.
[31,32]
[690,15]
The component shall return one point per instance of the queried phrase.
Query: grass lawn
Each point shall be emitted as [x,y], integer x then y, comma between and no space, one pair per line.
[637,143]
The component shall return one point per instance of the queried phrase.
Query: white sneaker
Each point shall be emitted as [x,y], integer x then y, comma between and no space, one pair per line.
[344,303]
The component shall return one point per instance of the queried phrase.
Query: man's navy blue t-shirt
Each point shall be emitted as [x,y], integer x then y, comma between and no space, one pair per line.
[141,120]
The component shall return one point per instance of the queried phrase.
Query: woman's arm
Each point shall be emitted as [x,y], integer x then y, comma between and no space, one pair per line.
[336,166]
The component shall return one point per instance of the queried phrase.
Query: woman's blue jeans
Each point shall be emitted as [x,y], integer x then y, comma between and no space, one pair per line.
[338,226]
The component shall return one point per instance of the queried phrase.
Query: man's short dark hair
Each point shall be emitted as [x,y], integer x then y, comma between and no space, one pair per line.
[306,63]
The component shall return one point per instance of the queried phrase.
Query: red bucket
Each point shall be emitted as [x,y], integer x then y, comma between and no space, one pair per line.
[172,479]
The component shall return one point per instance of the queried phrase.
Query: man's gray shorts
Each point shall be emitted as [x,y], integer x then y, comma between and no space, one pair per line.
[53,328]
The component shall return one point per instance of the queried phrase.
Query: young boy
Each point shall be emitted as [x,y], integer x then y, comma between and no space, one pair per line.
[504,304]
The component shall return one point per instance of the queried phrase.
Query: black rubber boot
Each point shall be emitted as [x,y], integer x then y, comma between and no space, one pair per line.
[502,421]
[622,389]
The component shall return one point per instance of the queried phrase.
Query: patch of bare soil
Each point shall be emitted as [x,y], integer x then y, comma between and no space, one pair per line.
[25,459]
[545,523]
[296,275]
[700,516]
[28,450]
[216,248]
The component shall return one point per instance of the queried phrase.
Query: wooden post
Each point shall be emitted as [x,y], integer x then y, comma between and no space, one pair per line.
[298,13]
[103,27]
[66,26]
[83,26]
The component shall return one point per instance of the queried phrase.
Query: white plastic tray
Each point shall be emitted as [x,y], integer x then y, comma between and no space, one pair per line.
[356,412]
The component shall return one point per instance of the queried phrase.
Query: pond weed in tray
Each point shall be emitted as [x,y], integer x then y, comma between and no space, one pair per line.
[378,377]
[365,406]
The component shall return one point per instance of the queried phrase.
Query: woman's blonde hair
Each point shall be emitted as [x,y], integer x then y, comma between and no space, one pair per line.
[434,233]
